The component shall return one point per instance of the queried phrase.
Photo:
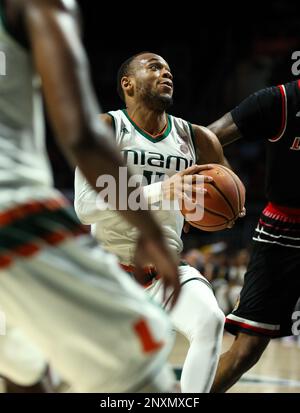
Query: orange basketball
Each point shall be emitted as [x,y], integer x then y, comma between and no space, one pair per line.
[224,200]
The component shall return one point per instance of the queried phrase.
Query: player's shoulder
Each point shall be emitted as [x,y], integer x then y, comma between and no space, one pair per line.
[293,86]
[179,123]
[16,12]
[204,136]
[111,116]
[20,9]
[25,8]
[66,5]
[266,98]
[114,118]
[106,118]
[117,113]
[268,92]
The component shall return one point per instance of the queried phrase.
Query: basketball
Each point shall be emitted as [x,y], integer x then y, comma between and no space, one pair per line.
[223,202]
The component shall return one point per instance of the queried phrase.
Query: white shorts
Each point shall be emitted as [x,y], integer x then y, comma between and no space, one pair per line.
[195,292]
[20,361]
[91,321]
[187,274]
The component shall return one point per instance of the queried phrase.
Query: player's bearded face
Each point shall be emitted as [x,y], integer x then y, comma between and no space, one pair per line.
[152,94]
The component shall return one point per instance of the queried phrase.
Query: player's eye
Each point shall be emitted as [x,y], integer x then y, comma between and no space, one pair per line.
[154,67]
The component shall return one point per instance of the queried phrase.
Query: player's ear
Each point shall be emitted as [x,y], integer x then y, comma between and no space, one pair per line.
[127,85]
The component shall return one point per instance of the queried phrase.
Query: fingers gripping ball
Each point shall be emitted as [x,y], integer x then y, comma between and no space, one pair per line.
[223,202]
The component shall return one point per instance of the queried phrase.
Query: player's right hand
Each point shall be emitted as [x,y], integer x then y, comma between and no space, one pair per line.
[177,186]
[155,252]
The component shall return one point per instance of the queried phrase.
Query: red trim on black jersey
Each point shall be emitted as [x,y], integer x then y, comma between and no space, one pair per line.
[283,114]
[279,225]
[245,326]
[277,228]
[283,210]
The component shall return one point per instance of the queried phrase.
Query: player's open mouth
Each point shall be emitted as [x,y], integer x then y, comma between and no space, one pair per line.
[169,85]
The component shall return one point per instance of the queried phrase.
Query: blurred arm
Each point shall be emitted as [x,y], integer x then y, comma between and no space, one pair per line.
[61,61]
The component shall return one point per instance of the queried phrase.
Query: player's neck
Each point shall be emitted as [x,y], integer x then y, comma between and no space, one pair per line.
[151,121]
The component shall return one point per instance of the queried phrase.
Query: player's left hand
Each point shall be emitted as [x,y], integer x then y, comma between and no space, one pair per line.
[242,213]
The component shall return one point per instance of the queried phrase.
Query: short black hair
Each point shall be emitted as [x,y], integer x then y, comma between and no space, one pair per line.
[125,70]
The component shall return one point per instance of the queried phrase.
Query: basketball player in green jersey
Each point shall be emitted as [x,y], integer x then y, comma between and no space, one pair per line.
[155,145]
[60,288]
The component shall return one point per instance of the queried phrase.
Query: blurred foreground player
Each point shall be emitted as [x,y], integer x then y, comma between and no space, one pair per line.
[272,283]
[22,365]
[61,291]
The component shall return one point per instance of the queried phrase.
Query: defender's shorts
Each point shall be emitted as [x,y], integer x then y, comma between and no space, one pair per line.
[270,292]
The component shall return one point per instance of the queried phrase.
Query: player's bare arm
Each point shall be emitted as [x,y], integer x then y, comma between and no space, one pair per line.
[208,147]
[225,129]
[107,119]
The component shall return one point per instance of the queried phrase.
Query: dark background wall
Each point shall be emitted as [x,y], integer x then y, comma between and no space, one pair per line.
[217,59]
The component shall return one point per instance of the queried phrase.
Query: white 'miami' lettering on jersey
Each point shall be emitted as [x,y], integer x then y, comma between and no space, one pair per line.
[167,154]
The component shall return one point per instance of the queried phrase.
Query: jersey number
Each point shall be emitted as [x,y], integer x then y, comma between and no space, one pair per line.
[153,176]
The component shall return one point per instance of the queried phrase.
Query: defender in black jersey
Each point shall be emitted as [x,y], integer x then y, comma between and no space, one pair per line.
[272,283]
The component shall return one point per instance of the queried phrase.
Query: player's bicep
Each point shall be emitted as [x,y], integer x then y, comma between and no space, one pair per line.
[208,147]
[225,129]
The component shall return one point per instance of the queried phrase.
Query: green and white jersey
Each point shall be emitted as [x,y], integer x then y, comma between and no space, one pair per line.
[24,166]
[153,157]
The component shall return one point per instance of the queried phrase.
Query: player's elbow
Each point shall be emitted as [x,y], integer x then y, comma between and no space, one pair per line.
[81,212]
[220,135]
[79,137]
[85,138]
[215,129]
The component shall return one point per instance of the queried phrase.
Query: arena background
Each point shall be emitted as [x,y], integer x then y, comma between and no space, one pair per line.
[217,59]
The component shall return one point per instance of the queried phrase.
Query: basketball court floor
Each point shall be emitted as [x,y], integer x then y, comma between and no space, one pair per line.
[278,371]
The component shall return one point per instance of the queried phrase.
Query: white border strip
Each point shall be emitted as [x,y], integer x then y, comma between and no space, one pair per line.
[261,231]
[275,242]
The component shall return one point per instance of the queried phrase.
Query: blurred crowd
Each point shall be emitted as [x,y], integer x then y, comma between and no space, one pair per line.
[223,267]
